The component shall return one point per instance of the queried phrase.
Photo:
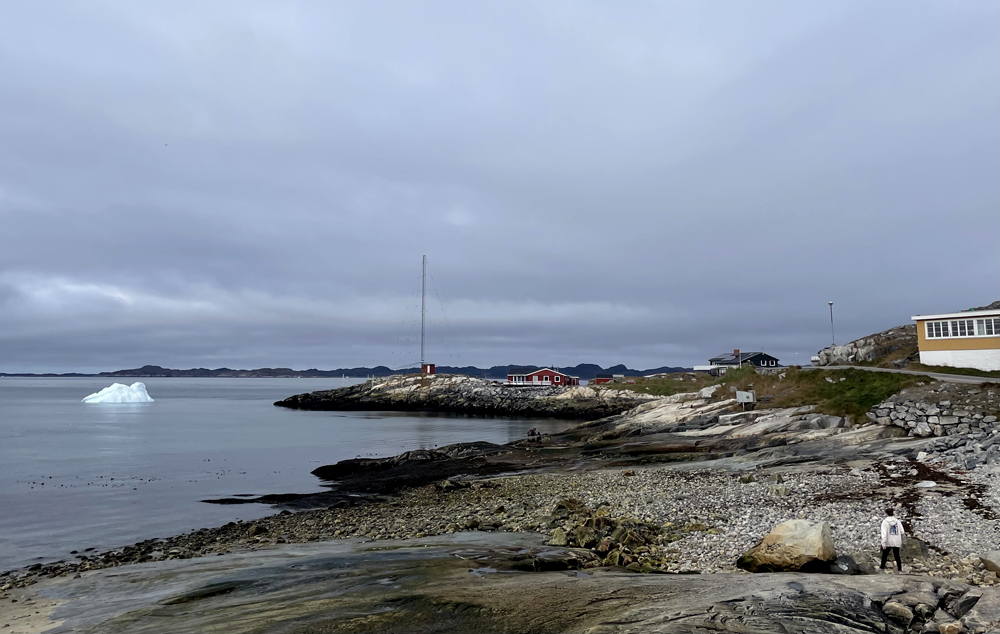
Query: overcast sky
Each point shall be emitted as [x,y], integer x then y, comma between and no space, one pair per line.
[251,184]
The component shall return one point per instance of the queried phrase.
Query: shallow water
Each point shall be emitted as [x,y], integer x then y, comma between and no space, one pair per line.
[76,476]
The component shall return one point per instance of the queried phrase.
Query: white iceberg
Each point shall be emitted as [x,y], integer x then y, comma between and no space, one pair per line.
[120,393]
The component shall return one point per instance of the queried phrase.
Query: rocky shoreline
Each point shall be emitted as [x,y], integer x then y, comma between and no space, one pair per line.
[670,520]
[681,484]
[468,395]
[618,519]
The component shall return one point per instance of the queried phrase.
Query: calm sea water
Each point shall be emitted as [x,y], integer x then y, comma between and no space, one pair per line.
[74,476]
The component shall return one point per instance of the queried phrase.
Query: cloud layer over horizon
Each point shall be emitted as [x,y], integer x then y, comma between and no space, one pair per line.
[251,184]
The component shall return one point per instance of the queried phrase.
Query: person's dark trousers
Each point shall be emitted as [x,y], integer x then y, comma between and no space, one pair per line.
[895,553]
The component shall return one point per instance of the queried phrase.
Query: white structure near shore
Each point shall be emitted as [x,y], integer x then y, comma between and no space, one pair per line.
[970,339]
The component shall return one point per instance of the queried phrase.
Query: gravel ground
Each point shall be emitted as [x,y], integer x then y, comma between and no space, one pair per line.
[711,517]
[737,515]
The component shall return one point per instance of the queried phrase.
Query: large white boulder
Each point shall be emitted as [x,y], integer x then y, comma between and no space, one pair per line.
[120,393]
[795,545]
[992,561]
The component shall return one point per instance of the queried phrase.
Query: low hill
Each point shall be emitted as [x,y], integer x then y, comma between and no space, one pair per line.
[584,371]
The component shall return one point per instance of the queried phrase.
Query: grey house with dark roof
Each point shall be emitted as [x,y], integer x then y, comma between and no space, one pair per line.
[737,358]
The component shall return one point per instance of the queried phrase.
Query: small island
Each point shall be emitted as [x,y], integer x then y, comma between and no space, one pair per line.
[468,395]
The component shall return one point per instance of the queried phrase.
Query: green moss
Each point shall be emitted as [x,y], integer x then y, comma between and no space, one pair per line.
[852,392]
[663,386]
[739,375]
[847,392]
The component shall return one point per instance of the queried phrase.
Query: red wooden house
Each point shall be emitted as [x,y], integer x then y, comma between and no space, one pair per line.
[542,377]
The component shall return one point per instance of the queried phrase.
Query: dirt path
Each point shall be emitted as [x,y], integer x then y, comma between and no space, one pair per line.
[940,376]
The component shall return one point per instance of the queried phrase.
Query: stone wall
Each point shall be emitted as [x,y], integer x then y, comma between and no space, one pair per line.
[965,434]
[930,419]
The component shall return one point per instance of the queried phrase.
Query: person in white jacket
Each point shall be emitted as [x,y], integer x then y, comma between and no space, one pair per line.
[892,538]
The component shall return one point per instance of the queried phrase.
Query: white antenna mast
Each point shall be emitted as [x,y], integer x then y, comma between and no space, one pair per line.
[423,309]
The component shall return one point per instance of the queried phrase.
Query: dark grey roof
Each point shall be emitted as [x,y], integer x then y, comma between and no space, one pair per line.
[522,370]
[729,357]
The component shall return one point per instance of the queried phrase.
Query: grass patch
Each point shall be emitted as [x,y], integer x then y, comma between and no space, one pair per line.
[941,369]
[838,392]
[846,393]
[740,376]
[664,386]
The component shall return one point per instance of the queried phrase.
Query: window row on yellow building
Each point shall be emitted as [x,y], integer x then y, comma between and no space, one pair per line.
[962,328]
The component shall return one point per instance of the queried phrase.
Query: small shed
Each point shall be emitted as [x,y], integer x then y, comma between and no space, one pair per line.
[607,378]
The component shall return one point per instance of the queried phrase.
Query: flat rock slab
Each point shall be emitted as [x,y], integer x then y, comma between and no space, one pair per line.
[462,583]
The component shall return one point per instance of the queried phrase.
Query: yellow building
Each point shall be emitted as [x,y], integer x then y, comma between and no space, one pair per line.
[960,340]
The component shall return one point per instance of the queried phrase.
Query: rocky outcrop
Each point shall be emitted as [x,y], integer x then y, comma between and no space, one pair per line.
[691,415]
[677,413]
[467,395]
[984,614]
[792,546]
[933,606]
[871,348]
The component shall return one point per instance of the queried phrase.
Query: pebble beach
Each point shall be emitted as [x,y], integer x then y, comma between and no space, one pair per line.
[704,519]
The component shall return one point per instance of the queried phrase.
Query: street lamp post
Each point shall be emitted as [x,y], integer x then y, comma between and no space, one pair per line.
[833,334]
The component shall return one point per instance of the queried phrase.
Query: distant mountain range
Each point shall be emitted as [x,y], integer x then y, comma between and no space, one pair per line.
[584,371]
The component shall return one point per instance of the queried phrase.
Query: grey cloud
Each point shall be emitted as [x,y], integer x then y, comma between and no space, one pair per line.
[651,184]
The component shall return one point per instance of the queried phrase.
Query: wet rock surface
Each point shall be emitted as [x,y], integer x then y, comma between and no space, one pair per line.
[359,480]
[496,584]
